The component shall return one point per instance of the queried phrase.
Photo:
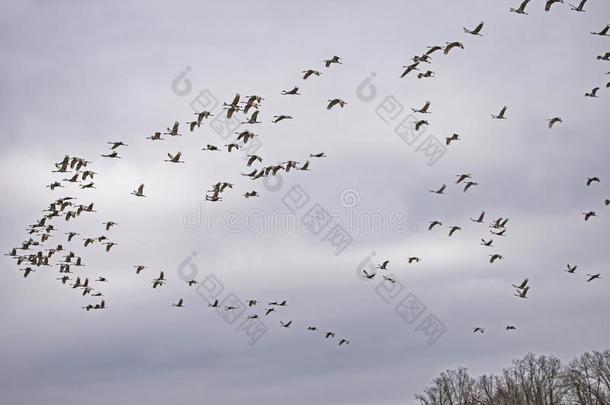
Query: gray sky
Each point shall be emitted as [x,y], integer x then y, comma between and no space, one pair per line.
[79,74]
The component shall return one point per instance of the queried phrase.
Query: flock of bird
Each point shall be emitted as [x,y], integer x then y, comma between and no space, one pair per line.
[497,227]
[35,253]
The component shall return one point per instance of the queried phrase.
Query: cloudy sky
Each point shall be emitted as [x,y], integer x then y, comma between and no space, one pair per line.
[78,74]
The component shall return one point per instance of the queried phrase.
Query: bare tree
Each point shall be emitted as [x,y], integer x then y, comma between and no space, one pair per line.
[588,379]
[528,381]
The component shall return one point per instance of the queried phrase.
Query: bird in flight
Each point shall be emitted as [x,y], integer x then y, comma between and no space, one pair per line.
[495,257]
[179,304]
[454,137]
[521,8]
[309,72]
[433,224]
[593,93]
[454,229]
[334,59]
[487,243]
[480,218]
[139,192]
[591,180]
[550,3]
[462,177]
[116,144]
[501,115]
[409,69]
[384,265]
[174,130]
[522,285]
[450,45]
[441,190]
[158,282]
[554,121]
[469,184]
[571,269]
[175,158]
[155,137]
[334,102]
[522,293]
[278,118]
[603,32]
[368,275]
[593,277]
[580,7]
[423,110]
[476,30]
[293,92]
[605,57]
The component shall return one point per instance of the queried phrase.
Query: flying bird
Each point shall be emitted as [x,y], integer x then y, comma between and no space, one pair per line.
[550,3]
[293,92]
[139,192]
[423,110]
[522,285]
[495,257]
[605,57]
[174,130]
[453,229]
[454,137]
[593,277]
[462,177]
[580,7]
[553,121]
[451,45]
[522,293]
[476,30]
[501,115]
[155,137]
[334,59]
[309,72]
[334,102]
[433,224]
[409,69]
[593,93]
[384,265]
[368,275]
[441,190]
[480,218]
[521,8]
[603,32]
[278,118]
[591,180]
[470,184]
[487,243]
[175,158]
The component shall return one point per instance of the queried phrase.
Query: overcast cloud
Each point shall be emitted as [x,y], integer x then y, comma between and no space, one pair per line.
[77,74]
